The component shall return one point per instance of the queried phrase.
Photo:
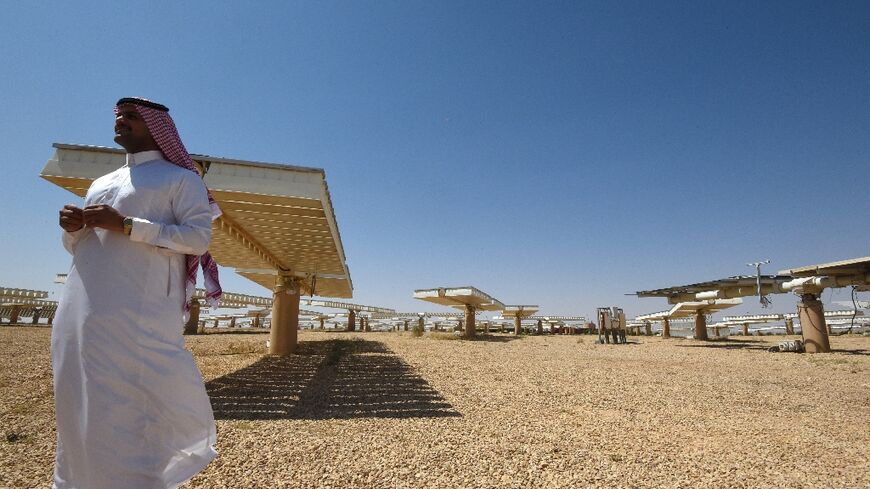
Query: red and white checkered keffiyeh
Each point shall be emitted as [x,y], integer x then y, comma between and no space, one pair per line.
[163,130]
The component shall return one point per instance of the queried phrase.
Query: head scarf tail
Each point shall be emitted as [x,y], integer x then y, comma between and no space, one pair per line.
[163,130]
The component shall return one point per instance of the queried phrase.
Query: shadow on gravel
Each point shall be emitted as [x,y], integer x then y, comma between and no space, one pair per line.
[743,339]
[852,352]
[739,345]
[493,338]
[227,331]
[757,345]
[486,338]
[331,379]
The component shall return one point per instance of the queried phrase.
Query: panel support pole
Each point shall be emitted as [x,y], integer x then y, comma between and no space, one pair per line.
[285,316]
[192,324]
[701,326]
[470,327]
[351,320]
[813,327]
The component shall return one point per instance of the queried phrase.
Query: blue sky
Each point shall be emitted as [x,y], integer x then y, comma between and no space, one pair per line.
[552,153]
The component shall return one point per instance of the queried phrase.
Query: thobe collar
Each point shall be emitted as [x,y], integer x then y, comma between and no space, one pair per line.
[134,159]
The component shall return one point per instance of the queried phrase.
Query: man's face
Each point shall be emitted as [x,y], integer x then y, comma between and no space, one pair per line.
[131,132]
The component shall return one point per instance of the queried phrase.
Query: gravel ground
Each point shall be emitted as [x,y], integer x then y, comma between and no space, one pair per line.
[388,410]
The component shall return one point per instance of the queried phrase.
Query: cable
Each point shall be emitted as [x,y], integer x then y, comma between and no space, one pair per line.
[854,311]
[854,307]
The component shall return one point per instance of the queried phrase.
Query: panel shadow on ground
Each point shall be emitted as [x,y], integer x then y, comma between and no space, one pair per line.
[727,345]
[332,379]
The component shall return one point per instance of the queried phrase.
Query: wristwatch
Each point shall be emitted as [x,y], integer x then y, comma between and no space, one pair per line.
[128,225]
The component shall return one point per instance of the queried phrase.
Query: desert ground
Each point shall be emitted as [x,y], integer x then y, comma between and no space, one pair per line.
[390,410]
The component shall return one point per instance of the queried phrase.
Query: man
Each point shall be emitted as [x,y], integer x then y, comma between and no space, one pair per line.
[132,411]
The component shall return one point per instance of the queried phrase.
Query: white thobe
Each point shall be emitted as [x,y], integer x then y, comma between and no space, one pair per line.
[132,411]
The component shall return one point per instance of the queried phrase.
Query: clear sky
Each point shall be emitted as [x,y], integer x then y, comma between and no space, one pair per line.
[552,153]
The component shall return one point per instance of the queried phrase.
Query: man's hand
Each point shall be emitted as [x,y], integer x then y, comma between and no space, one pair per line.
[71,218]
[103,216]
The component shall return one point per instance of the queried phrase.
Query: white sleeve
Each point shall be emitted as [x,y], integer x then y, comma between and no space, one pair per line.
[192,212]
[70,240]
